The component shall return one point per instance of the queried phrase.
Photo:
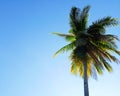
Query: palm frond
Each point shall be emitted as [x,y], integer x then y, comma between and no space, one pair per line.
[111,57]
[84,18]
[103,52]
[62,35]
[69,37]
[99,25]
[74,19]
[111,37]
[65,48]
[96,29]
[106,65]
[94,57]
[106,46]
[106,38]
[78,19]
[98,68]
[107,21]
[74,69]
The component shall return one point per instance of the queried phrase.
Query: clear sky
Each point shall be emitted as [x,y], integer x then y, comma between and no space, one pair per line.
[27,66]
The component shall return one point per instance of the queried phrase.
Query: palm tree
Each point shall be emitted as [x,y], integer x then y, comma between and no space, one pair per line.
[91,48]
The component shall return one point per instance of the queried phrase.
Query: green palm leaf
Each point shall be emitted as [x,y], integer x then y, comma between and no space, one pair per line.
[107,21]
[98,26]
[68,37]
[106,65]
[66,48]
[78,19]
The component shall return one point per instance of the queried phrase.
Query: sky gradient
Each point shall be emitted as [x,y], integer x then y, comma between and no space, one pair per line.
[27,66]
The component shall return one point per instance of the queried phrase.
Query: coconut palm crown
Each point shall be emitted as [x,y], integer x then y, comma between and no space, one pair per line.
[90,43]
[91,48]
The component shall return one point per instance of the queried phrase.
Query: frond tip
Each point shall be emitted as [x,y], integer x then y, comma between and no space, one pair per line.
[69,37]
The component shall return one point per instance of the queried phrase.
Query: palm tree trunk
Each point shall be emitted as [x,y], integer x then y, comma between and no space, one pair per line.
[86,89]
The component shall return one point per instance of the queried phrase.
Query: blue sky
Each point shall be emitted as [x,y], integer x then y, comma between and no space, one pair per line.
[27,66]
